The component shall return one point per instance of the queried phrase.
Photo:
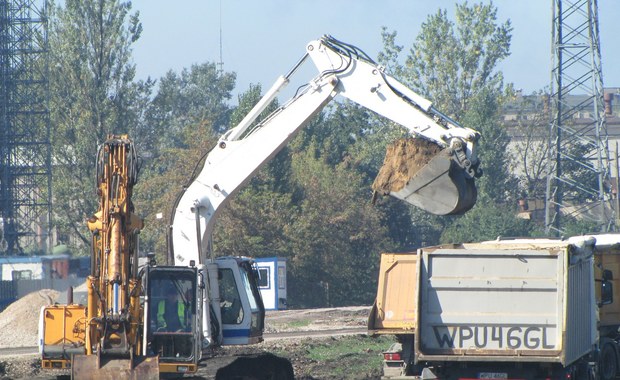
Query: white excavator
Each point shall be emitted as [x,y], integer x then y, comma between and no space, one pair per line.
[444,185]
[218,298]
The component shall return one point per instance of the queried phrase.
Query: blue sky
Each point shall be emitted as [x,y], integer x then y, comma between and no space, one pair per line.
[264,39]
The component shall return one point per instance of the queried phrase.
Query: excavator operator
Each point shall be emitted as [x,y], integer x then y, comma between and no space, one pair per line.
[173,337]
[171,313]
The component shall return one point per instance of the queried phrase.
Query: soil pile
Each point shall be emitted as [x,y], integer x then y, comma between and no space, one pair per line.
[19,322]
[403,159]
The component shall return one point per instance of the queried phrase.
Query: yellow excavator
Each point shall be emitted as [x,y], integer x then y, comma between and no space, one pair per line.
[103,339]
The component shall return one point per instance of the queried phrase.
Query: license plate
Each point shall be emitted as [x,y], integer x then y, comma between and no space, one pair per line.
[492,375]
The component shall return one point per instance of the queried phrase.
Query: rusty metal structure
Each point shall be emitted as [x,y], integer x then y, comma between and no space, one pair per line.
[25,149]
[578,181]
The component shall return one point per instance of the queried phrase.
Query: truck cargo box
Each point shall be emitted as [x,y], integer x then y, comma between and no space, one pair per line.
[506,301]
[394,311]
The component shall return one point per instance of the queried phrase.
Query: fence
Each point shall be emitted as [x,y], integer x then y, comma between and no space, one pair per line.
[13,290]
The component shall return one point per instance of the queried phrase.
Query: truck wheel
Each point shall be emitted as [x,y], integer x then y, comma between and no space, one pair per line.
[608,366]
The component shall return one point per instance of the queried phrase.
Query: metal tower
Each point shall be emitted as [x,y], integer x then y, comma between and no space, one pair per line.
[578,159]
[25,149]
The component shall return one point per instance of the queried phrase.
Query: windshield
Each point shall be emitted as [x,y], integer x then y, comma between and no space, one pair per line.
[172,313]
[247,284]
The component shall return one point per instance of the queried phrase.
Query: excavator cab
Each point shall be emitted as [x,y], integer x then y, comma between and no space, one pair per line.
[172,317]
[241,306]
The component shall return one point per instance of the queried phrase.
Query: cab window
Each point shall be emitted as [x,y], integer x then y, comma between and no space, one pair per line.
[230,301]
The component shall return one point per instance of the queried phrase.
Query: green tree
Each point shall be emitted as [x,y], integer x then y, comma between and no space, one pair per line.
[498,185]
[92,95]
[186,99]
[454,64]
[257,221]
[337,237]
[157,192]
[450,62]
[485,223]
[292,205]
[183,122]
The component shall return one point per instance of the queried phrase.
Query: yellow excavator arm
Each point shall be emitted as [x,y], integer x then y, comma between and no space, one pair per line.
[103,339]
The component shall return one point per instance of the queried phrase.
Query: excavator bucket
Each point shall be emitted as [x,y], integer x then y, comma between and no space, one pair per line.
[91,367]
[423,174]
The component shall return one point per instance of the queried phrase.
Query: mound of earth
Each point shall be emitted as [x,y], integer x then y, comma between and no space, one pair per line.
[403,159]
[19,322]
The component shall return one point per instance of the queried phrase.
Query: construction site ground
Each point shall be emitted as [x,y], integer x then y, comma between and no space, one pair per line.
[326,343]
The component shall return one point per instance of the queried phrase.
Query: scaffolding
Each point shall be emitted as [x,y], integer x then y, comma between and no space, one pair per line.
[578,180]
[25,149]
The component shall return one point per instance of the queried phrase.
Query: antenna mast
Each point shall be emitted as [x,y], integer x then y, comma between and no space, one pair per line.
[220,64]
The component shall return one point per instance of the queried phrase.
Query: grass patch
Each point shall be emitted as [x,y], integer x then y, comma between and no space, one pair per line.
[346,357]
[299,323]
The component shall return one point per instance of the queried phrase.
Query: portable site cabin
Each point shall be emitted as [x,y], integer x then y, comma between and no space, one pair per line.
[272,282]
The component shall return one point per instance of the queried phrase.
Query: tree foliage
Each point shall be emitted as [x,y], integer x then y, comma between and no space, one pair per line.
[156,193]
[337,235]
[183,121]
[454,64]
[257,221]
[187,99]
[485,223]
[311,204]
[92,94]
[452,61]
[498,185]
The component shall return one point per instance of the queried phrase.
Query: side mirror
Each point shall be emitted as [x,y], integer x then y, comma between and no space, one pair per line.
[201,283]
[607,289]
[151,259]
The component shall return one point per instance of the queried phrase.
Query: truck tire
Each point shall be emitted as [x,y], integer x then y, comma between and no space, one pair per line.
[608,365]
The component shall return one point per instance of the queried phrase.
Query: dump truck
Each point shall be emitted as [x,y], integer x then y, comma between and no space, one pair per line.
[505,309]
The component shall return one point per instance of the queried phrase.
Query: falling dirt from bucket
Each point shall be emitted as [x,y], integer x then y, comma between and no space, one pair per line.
[403,159]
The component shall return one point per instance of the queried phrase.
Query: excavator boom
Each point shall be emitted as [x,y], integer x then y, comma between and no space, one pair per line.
[441,183]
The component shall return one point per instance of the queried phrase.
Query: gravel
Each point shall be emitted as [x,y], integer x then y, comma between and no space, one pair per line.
[19,322]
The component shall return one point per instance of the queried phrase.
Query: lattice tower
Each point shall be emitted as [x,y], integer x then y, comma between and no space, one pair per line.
[25,150]
[578,181]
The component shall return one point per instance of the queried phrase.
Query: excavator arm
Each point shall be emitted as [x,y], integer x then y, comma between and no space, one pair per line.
[443,185]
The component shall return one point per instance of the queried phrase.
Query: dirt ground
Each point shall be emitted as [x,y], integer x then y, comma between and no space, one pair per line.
[309,339]
[316,319]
